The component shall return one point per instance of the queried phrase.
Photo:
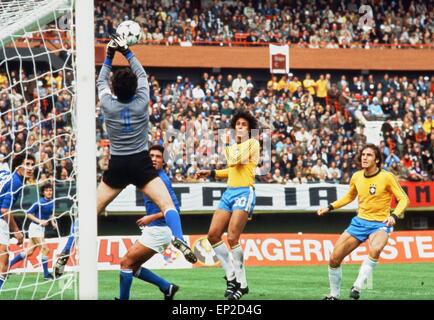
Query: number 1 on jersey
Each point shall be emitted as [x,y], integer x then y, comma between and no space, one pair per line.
[126,117]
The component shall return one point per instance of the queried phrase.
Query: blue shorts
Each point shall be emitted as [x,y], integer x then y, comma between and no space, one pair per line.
[243,198]
[361,229]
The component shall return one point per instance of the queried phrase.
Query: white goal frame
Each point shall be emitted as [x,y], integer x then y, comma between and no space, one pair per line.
[86,150]
[18,24]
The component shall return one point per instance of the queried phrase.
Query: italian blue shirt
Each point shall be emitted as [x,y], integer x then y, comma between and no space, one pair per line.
[43,209]
[11,190]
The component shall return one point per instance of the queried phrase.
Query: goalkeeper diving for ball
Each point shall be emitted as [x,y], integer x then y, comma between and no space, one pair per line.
[126,116]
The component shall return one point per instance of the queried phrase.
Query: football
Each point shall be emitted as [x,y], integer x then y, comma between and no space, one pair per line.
[131,31]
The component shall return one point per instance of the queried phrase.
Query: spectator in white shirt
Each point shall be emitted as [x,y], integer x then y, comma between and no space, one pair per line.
[333,173]
[319,170]
[302,135]
[239,84]
[198,93]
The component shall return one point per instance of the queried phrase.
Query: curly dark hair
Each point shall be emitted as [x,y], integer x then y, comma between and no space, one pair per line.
[242,113]
[124,84]
[377,151]
[45,187]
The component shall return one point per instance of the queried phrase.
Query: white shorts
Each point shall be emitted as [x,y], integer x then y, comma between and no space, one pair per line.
[36,231]
[156,238]
[4,232]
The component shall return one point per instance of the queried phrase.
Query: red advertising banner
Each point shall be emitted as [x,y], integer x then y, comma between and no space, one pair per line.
[286,249]
[421,194]
[275,249]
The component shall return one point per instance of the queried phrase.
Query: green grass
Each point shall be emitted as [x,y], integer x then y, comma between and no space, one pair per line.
[32,286]
[390,282]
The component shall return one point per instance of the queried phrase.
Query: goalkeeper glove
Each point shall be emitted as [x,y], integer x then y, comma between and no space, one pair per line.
[121,43]
[111,49]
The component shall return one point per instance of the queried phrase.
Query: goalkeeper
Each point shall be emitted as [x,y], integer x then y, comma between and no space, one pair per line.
[127,119]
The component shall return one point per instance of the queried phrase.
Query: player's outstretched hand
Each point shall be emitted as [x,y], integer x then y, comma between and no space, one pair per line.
[203,173]
[322,211]
[111,49]
[121,43]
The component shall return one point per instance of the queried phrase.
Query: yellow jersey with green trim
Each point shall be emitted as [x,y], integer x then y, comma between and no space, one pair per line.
[375,195]
[242,160]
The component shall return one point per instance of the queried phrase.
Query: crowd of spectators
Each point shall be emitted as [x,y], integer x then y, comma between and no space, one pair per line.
[311,23]
[36,117]
[316,127]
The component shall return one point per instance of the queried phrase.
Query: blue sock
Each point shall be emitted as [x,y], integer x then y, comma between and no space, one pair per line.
[126,278]
[45,265]
[17,259]
[68,244]
[173,221]
[2,281]
[148,276]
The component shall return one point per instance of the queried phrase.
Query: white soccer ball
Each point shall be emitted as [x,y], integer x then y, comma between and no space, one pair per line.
[131,31]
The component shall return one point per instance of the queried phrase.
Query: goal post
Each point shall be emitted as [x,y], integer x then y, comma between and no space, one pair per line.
[86,151]
[40,41]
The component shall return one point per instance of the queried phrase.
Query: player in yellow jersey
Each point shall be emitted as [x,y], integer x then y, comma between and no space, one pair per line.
[237,202]
[374,221]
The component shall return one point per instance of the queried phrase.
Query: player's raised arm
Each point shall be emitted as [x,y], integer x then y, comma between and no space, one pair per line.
[346,199]
[243,154]
[104,92]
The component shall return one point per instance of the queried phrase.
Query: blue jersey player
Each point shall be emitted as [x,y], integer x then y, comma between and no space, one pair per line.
[10,191]
[41,214]
[155,216]
[156,236]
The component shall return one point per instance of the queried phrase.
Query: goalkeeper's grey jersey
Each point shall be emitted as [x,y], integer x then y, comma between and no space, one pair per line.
[127,123]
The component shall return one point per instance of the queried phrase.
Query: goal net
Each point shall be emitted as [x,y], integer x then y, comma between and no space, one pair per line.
[38,116]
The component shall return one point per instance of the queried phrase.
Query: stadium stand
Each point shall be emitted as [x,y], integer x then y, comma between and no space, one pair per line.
[310,120]
[307,24]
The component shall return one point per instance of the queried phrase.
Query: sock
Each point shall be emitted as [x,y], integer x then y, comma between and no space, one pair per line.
[17,259]
[45,265]
[2,280]
[222,254]
[240,270]
[68,245]
[366,269]
[335,279]
[148,276]
[126,278]
[173,221]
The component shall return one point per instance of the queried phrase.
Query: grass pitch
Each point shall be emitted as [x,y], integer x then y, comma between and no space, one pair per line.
[390,282]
